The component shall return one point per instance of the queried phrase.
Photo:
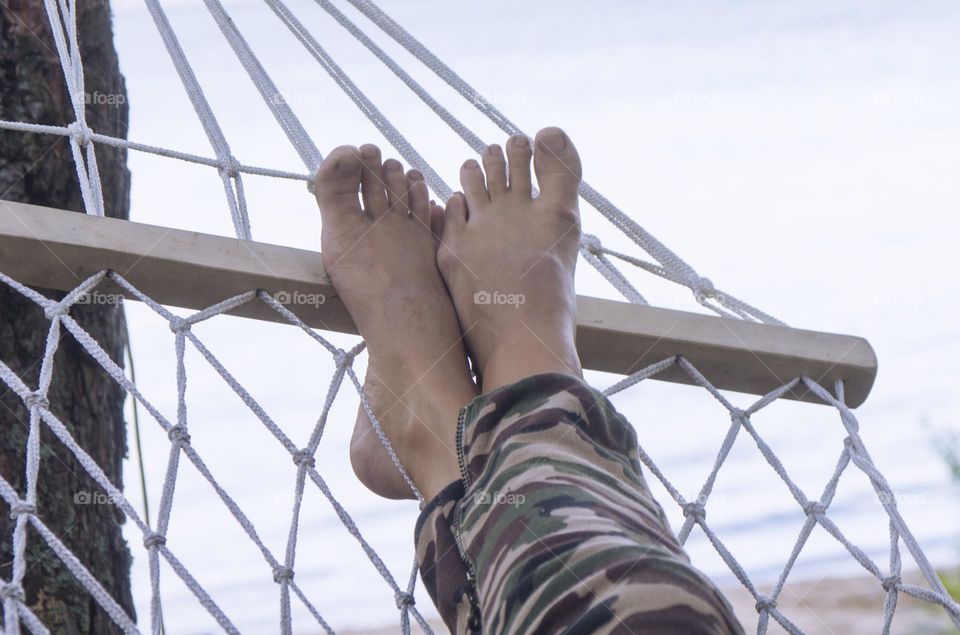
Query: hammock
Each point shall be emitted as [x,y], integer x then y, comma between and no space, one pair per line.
[657,260]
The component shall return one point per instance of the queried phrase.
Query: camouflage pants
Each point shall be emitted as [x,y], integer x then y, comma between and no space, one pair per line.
[552,528]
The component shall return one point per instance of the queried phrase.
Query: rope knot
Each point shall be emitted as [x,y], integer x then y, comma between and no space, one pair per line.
[765,603]
[738,415]
[154,540]
[591,243]
[55,310]
[37,399]
[890,582]
[404,600]
[343,358]
[19,508]
[814,508]
[304,458]
[179,435]
[8,591]
[282,574]
[230,167]
[696,510]
[703,288]
[178,324]
[80,133]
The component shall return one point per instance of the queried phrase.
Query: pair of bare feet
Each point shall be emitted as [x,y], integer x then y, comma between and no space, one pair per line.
[490,274]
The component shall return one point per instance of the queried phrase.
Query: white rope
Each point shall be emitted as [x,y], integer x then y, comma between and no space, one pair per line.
[273,98]
[63,26]
[613,275]
[229,168]
[155,540]
[228,172]
[367,107]
[80,572]
[472,140]
[64,131]
[680,271]
[62,17]
[853,451]
[703,295]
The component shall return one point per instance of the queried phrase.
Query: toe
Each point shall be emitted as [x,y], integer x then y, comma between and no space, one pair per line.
[418,197]
[451,226]
[471,178]
[455,214]
[518,152]
[338,181]
[371,185]
[436,220]
[558,166]
[495,166]
[397,200]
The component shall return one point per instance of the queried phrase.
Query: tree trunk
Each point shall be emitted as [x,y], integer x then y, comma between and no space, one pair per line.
[39,169]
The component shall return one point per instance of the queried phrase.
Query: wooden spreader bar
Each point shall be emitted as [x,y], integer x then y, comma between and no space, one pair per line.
[56,249]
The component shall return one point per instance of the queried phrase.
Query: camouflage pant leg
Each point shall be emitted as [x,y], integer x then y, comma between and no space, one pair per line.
[552,528]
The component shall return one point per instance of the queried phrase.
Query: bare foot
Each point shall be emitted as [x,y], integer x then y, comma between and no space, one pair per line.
[381,258]
[508,259]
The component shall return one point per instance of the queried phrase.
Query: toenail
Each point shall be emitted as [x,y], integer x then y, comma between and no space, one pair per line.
[553,141]
[392,165]
[470,163]
[346,164]
[414,175]
[494,150]
[369,152]
[520,141]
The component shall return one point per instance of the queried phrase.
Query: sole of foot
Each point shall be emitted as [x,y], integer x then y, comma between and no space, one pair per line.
[380,254]
[508,258]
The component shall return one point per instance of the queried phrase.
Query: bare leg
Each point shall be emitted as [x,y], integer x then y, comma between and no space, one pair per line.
[552,528]
[381,257]
[509,259]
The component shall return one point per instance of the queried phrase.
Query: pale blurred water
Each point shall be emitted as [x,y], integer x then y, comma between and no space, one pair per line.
[802,155]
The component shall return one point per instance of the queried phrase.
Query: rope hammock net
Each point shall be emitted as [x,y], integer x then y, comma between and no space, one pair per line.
[658,260]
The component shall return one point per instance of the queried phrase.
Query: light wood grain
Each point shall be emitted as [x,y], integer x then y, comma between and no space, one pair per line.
[57,249]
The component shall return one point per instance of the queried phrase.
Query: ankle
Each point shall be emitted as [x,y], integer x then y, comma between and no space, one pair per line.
[512,360]
[430,440]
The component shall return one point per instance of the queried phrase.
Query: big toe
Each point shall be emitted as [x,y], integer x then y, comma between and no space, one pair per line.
[557,165]
[337,184]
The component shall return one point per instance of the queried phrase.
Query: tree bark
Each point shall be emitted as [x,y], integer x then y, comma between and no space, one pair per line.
[39,169]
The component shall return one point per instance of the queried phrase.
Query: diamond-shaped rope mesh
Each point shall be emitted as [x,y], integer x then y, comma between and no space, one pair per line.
[665,264]
[282,567]
[815,509]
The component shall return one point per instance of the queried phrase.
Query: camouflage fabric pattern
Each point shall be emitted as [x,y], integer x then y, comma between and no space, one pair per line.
[552,528]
